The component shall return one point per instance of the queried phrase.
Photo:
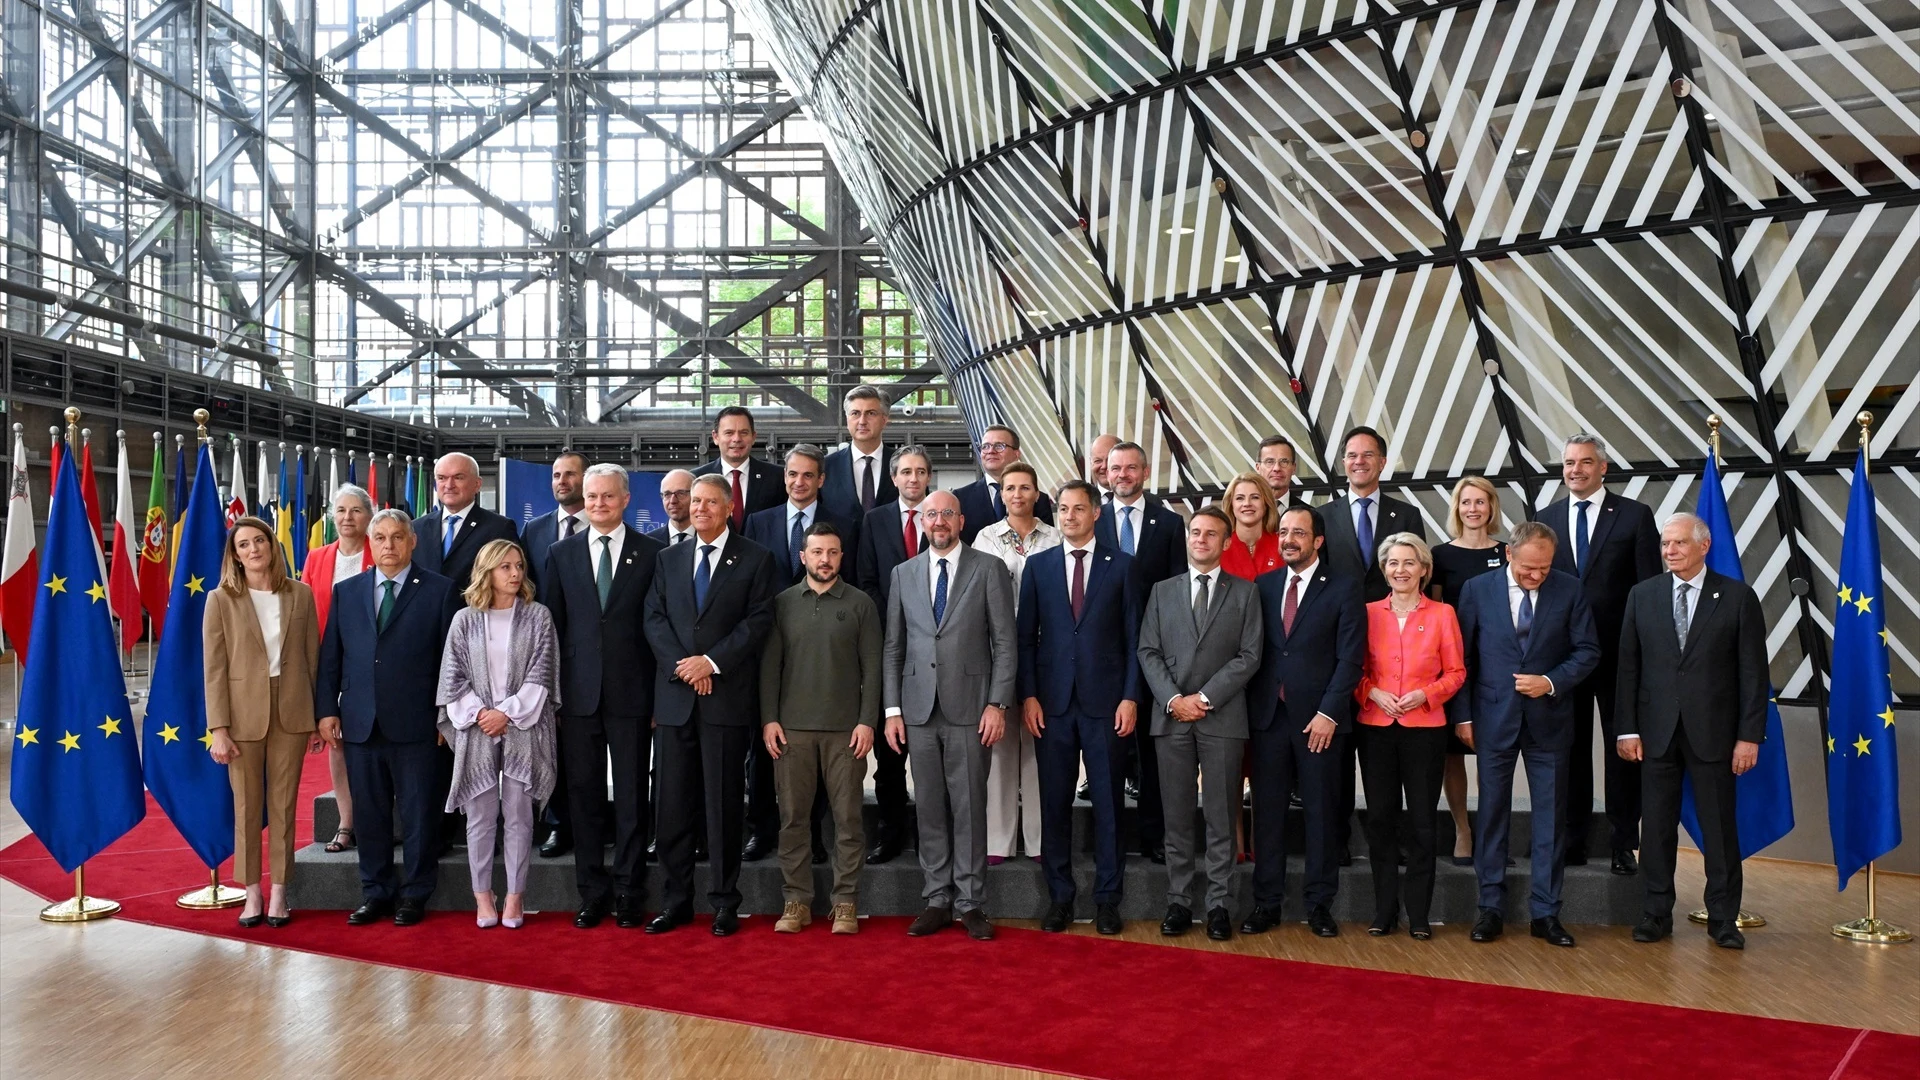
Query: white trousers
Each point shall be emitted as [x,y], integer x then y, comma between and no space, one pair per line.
[1013,792]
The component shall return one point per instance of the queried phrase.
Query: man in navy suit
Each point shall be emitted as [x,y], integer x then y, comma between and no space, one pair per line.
[1276,464]
[1079,619]
[889,536]
[1609,542]
[708,614]
[1300,716]
[378,680]
[676,487]
[597,584]
[980,503]
[567,518]
[1529,641]
[856,478]
[753,484]
[451,535]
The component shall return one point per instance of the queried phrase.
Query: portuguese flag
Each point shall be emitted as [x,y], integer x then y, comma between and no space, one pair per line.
[154,535]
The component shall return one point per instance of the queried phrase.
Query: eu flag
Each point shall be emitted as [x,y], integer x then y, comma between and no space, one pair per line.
[1763,795]
[185,780]
[1863,772]
[76,770]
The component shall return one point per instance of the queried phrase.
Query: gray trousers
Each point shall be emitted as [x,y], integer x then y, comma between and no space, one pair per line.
[1216,761]
[950,792]
[512,802]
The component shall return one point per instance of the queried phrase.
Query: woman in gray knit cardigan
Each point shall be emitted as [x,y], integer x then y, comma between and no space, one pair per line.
[499,694]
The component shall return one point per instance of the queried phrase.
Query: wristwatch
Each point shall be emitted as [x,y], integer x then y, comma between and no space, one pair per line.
[996,705]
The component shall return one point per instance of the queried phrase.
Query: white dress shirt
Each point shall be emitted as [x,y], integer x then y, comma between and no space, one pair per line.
[560,519]
[861,461]
[673,533]
[1304,577]
[619,537]
[1698,579]
[1213,577]
[1593,517]
[1067,551]
[1514,593]
[1372,510]
[933,571]
[1136,511]
[744,471]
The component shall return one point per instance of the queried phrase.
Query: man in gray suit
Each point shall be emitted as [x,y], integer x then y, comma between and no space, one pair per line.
[950,670]
[1199,645]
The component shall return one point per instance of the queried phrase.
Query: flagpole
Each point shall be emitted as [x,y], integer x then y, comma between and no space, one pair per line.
[1745,920]
[1872,930]
[160,456]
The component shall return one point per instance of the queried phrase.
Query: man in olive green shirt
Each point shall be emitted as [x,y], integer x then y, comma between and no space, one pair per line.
[819,706]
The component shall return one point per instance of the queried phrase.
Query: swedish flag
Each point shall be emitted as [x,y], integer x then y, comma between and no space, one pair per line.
[76,770]
[1863,771]
[185,780]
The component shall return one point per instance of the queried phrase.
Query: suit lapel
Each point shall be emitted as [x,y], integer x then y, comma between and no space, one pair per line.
[1601,528]
[1314,592]
[623,570]
[1205,620]
[724,560]
[1703,609]
[405,596]
[1102,562]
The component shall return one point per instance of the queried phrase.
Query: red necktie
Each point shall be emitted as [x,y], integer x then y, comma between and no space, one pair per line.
[1292,607]
[739,503]
[912,535]
[1078,597]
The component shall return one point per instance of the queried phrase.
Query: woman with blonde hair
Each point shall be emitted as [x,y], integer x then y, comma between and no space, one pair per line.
[499,694]
[261,649]
[1254,547]
[1473,513]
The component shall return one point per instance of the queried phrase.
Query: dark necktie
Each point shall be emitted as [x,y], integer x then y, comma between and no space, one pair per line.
[1200,602]
[573,526]
[679,537]
[940,595]
[1680,617]
[866,483]
[1078,596]
[1523,622]
[1363,532]
[702,577]
[1292,607]
[386,605]
[603,575]
[739,502]
[1580,538]
[796,542]
[912,535]
[999,508]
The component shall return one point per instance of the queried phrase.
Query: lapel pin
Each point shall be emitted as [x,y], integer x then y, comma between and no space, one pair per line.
[1107,558]
[1716,596]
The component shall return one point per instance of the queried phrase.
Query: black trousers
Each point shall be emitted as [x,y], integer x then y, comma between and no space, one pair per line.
[890,792]
[1396,760]
[1280,758]
[1713,797]
[763,810]
[560,807]
[700,776]
[587,744]
[383,776]
[1344,773]
[1622,778]
[1143,765]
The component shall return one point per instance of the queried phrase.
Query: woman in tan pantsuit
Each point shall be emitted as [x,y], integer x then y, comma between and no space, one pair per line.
[262,648]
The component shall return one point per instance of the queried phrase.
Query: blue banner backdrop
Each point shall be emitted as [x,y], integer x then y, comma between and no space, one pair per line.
[526,492]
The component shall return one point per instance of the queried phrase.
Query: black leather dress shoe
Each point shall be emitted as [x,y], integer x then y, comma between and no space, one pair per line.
[1624,864]
[1132,788]
[627,913]
[1652,928]
[409,913]
[931,921]
[1489,926]
[279,922]
[369,913]
[1320,921]
[1727,935]
[1106,918]
[248,922]
[1260,920]
[1156,854]
[671,919]
[884,850]
[1179,920]
[1219,924]
[726,922]
[653,851]
[977,925]
[1550,930]
[1084,793]
[758,847]
[589,915]
[557,844]
[1057,918]
[1384,925]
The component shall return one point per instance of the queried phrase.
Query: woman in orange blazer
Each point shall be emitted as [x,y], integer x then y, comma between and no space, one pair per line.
[262,649]
[1415,662]
[326,567]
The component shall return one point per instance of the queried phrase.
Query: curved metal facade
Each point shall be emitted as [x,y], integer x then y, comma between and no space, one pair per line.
[1477,225]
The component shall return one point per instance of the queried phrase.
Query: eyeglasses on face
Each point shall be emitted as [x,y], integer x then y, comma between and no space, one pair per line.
[995,447]
[938,515]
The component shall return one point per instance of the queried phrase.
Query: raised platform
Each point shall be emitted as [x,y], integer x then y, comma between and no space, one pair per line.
[1016,889]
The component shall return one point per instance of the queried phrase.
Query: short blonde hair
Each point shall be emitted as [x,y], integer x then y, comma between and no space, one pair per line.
[1475,483]
[1271,523]
[233,576]
[479,592]
[1421,552]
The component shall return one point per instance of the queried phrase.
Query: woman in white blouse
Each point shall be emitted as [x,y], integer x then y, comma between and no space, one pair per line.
[499,695]
[1013,773]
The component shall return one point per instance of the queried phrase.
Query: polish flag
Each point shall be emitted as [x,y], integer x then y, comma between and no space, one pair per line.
[20,570]
[123,578]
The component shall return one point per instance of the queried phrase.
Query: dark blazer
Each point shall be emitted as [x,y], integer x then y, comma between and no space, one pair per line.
[766,482]
[768,528]
[1092,660]
[1320,663]
[730,630]
[976,506]
[1623,550]
[1342,548]
[477,526]
[1717,686]
[536,538]
[386,679]
[1562,645]
[840,489]
[883,546]
[606,664]
[1159,542]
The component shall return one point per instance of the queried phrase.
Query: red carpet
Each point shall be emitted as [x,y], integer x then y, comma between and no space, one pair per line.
[1084,1006]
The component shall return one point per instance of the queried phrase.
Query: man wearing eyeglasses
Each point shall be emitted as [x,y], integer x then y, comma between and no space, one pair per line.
[980,503]
[675,489]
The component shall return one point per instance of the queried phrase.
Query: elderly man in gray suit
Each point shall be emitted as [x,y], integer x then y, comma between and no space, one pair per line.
[1200,643]
[949,672]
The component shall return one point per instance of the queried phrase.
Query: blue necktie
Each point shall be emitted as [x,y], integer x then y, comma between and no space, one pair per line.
[1126,529]
[702,577]
[1580,538]
[940,595]
[999,508]
[796,542]
[1523,622]
[1363,531]
[448,532]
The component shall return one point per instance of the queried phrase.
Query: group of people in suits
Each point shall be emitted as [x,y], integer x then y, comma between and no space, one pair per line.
[1010,648]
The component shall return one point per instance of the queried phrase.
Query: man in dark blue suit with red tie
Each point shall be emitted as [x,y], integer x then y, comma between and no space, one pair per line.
[1529,641]
[1079,618]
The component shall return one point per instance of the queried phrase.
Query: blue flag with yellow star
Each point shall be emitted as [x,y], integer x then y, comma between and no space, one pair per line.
[185,780]
[76,770]
[1863,772]
[1763,795]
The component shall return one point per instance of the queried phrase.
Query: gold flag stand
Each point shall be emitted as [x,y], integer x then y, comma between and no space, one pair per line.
[82,908]
[213,895]
[1746,920]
